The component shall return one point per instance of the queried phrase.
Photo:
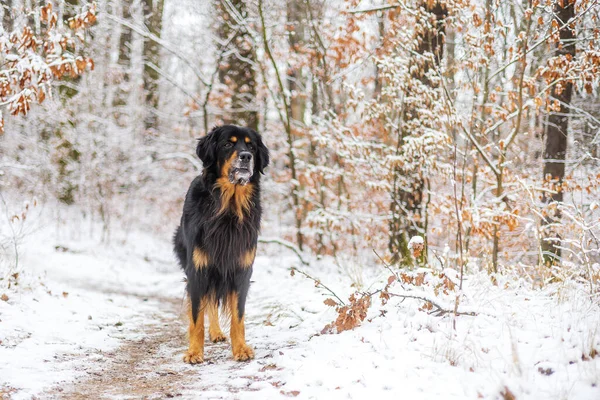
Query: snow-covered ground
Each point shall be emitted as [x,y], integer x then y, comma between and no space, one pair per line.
[94,320]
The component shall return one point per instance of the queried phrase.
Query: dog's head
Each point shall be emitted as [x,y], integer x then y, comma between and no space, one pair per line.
[233,152]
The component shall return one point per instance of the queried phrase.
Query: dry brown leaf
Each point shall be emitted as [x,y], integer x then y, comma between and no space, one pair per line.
[330,302]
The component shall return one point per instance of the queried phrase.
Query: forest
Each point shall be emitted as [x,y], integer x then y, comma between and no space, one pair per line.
[434,177]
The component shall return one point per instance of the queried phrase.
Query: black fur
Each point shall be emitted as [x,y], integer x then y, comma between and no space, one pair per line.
[223,236]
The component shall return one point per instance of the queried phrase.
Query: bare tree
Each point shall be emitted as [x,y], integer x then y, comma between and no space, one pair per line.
[237,68]
[7,19]
[408,218]
[557,125]
[296,39]
[124,60]
[153,14]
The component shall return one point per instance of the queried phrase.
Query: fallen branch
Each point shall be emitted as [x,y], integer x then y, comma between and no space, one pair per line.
[439,310]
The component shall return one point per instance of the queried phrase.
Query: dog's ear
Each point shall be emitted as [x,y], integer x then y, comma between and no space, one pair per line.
[262,155]
[207,148]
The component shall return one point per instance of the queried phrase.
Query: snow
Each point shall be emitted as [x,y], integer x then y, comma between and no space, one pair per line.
[118,297]
[415,240]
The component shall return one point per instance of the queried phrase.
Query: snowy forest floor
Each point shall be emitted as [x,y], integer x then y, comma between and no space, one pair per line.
[93,320]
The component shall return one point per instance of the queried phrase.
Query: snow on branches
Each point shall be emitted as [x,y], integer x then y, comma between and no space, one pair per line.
[32,58]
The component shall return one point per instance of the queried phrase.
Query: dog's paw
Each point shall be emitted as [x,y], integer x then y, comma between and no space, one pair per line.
[192,357]
[243,353]
[216,337]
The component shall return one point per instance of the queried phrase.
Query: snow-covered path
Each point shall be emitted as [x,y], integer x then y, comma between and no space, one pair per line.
[90,320]
[106,321]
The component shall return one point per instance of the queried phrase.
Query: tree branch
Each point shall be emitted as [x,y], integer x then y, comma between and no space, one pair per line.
[439,310]
[286,244]
[318,283]
[148,35]
[197,165]
[382,8]
[543,40]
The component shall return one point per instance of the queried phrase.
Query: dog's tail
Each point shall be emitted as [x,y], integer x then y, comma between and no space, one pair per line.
[179,248]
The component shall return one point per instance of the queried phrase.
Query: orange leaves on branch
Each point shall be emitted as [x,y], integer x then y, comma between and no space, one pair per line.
[47,16]
[353,313]
[84,20]
[416,245]
[31,62]
[349,315]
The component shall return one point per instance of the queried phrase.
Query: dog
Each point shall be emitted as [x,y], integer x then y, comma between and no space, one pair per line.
[216,240]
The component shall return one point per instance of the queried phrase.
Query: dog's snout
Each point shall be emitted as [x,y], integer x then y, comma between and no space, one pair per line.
[245,156]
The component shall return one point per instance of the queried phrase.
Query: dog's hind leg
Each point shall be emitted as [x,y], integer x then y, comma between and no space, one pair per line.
[214,329]
[195,353]
[241,351]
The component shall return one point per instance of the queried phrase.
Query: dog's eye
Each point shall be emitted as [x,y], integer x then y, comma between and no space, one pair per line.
[228,144]
[250,146]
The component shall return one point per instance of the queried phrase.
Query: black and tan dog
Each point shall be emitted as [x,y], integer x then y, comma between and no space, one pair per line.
[216,241]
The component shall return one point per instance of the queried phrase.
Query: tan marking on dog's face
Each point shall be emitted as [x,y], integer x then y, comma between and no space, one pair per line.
[247,258]
[200,258]
[247,139]
[235,197]
[234,139]
[227,165]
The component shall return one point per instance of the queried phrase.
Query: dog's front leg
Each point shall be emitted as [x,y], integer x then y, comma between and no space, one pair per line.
[195,353]
[241,351]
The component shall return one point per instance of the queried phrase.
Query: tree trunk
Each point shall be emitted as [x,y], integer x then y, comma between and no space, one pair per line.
[68,87]
[406,206]
[555,147]
[381,32]
[237,68]
[7,18]
[124,60]
[153,13]
[296,39]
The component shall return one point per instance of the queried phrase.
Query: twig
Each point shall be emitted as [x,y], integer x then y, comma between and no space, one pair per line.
[373,9]
[543,40]
[286,244]
[460,240]
[197,165]
[450,106]
[171,81]
[383,8]
[143,31]
[442,262]
[439,310]
[210,85]
[387,266]
[318,283]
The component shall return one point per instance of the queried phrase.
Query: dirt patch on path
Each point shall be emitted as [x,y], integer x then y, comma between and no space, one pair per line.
[150,366]
[136,369]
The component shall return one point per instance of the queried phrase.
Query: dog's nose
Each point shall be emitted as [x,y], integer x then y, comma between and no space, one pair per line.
[245,156]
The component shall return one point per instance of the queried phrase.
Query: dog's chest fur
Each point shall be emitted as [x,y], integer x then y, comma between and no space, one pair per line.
[230,233]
